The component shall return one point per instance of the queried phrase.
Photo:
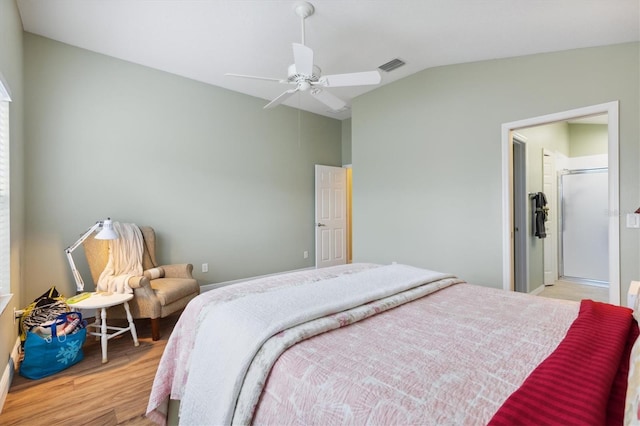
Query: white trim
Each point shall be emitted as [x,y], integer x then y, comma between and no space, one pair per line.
[213,286]
[5,93]
[520,136]
[4,301]
[7,375]
[537,291]
[5,199]
[5,383]
[610,108]
[15,353]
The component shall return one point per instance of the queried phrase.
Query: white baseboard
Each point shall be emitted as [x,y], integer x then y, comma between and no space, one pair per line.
[15,353]
[9,371]
[208,287]
[537,291]
[5,382]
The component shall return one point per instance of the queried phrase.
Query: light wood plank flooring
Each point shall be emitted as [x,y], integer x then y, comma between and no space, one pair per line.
[570,290]
[92,393]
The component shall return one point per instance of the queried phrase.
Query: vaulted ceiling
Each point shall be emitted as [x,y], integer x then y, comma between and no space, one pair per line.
[205,39]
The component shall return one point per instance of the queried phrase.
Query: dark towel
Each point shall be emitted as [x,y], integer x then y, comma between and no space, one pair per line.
[540,211]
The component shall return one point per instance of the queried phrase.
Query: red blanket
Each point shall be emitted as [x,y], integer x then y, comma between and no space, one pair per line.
[583,382]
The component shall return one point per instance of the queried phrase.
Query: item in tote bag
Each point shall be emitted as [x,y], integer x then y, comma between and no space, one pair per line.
[44,308]
[49,354]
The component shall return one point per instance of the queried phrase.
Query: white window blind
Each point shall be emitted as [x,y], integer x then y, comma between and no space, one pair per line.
[5,225]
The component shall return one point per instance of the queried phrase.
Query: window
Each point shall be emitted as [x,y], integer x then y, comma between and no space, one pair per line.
[5,226]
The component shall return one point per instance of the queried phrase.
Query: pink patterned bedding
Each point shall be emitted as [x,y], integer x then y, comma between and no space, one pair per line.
[173,370]
[451,357]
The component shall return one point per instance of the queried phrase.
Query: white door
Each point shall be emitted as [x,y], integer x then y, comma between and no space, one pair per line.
[331,216]
[549,185]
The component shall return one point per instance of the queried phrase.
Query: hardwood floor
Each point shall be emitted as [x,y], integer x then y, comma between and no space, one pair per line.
[92,393]
[570,290]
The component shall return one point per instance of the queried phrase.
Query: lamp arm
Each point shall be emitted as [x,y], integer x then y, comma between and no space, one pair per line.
[71,248]
[75,245]
[76,274]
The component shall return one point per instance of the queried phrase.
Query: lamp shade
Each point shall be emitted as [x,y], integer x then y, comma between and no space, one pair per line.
[107,232]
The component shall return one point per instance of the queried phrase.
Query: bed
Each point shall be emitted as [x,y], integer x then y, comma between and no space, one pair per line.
[394,344]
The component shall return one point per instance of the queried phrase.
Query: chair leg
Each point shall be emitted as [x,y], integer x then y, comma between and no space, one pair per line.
[155,329]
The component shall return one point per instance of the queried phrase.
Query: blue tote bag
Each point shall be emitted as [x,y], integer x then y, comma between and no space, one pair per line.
[52,351]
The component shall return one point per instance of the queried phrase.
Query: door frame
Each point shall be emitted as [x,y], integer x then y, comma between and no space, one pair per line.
[609,108]
[520,197]
[550,243]
[349,204]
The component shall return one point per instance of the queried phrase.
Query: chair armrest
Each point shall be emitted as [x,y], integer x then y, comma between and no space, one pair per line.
[139,281]
[145,303]
[181,270]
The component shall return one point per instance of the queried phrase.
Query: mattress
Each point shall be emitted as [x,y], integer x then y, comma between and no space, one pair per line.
[441,352]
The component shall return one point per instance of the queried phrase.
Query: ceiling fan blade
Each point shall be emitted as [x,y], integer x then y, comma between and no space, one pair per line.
[281,98]
[330,100]
[351,79]
[303,58]
[254,77]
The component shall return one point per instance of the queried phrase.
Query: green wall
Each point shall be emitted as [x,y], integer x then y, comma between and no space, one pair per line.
[427,155]
[11,67]
[346,141]
[222,181]
[591,139]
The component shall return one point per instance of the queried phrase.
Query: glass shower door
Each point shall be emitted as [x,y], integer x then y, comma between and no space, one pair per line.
[585,225]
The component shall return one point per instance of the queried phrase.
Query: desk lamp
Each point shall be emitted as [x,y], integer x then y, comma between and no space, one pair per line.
[106,233]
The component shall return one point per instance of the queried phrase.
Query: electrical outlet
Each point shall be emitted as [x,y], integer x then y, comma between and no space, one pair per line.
[633,220]
[17,313]
[205,267]
[305,254]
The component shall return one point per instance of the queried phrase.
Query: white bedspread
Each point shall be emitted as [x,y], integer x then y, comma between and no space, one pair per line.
[216,376]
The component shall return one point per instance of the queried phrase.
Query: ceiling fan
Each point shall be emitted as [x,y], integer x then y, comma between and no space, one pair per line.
[305,76]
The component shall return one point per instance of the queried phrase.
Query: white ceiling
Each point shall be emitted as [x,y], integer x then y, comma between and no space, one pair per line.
[205,39]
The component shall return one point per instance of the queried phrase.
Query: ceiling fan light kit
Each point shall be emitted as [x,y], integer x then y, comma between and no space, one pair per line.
[307,77]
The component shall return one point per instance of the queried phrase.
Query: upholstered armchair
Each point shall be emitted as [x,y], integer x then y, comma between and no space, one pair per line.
[160,292]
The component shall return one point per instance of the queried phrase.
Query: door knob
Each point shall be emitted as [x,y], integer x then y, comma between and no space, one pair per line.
[321,224]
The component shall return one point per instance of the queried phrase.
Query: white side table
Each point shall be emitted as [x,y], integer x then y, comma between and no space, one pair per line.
[102,301]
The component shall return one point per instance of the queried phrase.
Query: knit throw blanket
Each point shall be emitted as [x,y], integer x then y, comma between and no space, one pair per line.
[125,259]
[583,382]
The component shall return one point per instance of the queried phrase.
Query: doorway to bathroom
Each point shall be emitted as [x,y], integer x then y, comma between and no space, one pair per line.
[551,154]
